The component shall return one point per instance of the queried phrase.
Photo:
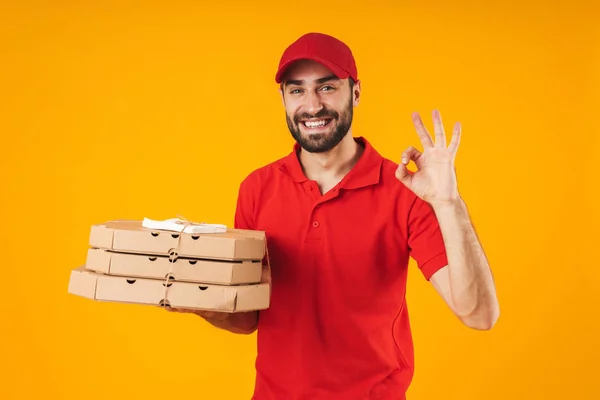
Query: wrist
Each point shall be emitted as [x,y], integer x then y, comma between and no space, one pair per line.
[453,205]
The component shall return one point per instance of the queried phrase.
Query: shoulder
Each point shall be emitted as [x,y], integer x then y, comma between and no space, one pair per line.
[396,189]
[390,191]
[388,166]
[262,175]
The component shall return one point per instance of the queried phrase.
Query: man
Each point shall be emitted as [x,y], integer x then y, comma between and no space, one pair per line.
[341,223]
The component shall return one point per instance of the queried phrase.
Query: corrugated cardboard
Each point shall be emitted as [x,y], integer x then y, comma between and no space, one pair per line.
[182,269]
[189,295]
[131,237]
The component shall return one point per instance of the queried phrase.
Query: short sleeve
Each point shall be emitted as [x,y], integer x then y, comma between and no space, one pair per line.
[425,240]
[245,219]
[244,212]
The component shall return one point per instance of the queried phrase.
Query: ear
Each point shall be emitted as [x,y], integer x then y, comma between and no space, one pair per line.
[356,92]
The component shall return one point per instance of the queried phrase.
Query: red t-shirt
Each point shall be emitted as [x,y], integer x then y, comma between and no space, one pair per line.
[338,326]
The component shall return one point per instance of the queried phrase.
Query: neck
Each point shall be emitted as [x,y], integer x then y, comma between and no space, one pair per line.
[334,164]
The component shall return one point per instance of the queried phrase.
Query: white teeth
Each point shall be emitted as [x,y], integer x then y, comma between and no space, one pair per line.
[315,124]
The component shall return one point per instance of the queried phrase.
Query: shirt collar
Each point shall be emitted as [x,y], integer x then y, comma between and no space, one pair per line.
[365,172]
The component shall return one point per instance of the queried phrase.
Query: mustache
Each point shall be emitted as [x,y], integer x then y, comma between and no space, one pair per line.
[324,113]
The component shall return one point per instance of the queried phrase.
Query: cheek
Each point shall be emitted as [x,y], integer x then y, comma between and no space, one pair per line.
[293,109]
[290,112]
[291,103]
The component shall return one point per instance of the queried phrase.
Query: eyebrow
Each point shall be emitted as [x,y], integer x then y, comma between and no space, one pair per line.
[320,80]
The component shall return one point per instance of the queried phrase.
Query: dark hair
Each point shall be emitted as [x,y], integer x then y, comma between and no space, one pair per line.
[351,82]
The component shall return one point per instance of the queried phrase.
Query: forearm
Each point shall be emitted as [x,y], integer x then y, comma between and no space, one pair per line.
[241,323]
[470,280]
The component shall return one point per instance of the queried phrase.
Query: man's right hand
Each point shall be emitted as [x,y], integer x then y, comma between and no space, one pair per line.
[207,315]
[242,323]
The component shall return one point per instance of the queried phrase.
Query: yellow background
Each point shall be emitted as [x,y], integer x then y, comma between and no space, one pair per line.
[153,109]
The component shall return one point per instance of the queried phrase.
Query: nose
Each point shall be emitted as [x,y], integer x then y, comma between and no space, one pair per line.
[313,103]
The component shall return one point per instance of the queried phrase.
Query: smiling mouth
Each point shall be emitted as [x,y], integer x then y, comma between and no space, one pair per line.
[316,123]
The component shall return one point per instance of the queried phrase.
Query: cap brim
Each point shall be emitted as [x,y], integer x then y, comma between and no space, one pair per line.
[337,71]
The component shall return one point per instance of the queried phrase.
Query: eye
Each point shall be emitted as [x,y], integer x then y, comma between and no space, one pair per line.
[327,87]
[295,91]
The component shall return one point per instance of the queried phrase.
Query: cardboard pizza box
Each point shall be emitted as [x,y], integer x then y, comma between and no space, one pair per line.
[156,292]
[130,236]
[222,272]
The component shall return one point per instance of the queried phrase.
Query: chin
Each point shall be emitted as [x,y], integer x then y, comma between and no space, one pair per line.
[319,139]
[319,142]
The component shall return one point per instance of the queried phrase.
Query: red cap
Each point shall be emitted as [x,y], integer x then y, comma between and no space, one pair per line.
[322,48]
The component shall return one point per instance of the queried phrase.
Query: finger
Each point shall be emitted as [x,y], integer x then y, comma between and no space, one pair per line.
[181,310]
[438,126]
[175,309]
[422,131]
[455,141]
[409,154]
[206,314]
[403,174]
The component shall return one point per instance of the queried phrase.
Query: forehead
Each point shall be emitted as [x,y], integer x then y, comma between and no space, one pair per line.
[307,71]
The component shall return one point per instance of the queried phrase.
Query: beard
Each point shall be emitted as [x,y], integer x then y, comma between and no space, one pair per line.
[322,142]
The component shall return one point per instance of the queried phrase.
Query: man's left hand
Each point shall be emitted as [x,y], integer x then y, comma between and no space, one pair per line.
[435,178]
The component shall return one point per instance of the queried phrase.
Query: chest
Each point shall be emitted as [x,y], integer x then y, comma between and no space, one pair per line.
[353,236]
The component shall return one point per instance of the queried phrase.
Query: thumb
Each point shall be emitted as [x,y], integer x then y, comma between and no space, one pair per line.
[403,174]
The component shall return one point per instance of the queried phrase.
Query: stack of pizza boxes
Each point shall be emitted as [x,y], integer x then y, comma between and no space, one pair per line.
[176,264]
